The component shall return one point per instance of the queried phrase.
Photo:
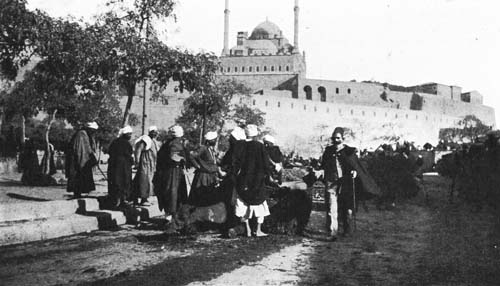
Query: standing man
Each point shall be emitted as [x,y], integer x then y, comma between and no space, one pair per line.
[231,164]
[120,168]
[146,150]
[80,158]
[206,175]
[170,182]
[250,182]
[341,167]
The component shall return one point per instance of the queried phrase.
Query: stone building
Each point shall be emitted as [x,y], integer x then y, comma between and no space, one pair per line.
[302,112]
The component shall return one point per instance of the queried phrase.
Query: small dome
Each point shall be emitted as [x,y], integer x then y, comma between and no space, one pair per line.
[265,30]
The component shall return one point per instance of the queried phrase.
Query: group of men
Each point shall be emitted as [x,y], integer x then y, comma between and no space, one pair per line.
[239,178]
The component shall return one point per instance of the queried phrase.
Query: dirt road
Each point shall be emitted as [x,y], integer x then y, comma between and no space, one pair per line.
[416,243]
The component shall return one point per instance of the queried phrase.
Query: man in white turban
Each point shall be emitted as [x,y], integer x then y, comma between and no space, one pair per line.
[206,175]
[120,168]
[80,158]
[250,182]
[169,180]
[145,155]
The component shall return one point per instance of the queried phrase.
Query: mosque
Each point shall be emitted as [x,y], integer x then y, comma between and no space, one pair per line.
[301,112]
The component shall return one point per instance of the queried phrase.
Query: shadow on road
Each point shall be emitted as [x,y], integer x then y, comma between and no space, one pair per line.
[26,198]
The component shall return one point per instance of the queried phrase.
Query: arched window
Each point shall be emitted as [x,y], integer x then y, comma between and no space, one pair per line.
[337,90]
[250,69]
[272,68]
[266,102]
[235,69]
[308,91]
[279,104]
[279,68]
[349,91]
[287,68]
[242,69]
[228,69]
[254,102]
[221,69]
[265,68]
[257,68]
[322,93]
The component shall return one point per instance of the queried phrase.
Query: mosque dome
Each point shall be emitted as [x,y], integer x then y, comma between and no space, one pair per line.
[266,30]
[264,47]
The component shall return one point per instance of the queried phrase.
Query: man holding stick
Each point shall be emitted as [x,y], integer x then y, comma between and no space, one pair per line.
[342,171]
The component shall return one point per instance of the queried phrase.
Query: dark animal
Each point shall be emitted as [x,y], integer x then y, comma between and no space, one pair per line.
[290,211]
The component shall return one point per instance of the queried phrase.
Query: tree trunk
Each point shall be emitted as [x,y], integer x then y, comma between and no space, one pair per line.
[130,98]
[204,123]
[23,130]
[48,151]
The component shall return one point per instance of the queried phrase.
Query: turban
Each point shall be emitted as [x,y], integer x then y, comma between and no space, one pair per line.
[238,134]
[125,130]
[269,138]
[92,125]
[177,131]
[251,130]
[211,135]
[152,128]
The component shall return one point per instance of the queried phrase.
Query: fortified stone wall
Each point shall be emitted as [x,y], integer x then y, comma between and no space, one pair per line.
[304,126]
[262,72]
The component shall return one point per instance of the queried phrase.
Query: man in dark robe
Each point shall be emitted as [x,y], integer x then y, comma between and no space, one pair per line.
[169,180]
[146,151]
[80,158]
[250,182]
[275,156]
[120,168]
[231,165]
[342,169]
[206,176]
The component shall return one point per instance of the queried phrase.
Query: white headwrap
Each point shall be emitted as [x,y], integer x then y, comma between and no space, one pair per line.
[269,138]
[251,130]
[211,135]
[238,134]
[177,131]
[92,125]
[152,128]
[125,130]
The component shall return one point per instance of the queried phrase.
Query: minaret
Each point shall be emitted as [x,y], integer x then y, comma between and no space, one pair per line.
[225,50]
[296,28]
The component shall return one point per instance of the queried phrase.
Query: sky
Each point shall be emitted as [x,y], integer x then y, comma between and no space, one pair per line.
[403,42]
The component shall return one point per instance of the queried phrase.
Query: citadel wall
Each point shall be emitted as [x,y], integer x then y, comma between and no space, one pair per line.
[304,126]
[262,72]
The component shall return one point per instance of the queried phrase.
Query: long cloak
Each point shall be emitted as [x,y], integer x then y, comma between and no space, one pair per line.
[169,181]
[80,158]
[143,180]
[203,192]
[120,168]
[364,184]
